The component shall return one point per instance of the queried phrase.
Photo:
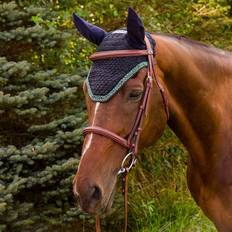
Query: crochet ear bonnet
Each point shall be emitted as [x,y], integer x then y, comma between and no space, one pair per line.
[107,76]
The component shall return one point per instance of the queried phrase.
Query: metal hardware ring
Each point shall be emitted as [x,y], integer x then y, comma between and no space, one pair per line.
[124,169]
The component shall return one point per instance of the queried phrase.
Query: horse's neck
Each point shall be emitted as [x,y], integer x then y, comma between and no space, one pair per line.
[199,90]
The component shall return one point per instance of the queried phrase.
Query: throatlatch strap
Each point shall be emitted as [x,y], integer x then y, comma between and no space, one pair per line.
[151,64]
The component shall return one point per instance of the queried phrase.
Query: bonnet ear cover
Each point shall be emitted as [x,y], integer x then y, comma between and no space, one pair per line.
[107,76]
[135,30]
[92,33]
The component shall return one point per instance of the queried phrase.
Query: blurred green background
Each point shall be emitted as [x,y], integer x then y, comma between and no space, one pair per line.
[43,62]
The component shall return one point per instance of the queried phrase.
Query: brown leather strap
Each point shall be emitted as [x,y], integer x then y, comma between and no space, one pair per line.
[101,131]
[97,223]
[133,139]
[134,136]
[118,53]
[153,74]
[125,192]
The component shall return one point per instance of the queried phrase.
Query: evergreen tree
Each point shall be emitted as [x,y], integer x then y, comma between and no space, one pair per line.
[42,111]
[41,115]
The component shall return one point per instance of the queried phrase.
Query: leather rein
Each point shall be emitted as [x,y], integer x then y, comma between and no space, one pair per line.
[131,143]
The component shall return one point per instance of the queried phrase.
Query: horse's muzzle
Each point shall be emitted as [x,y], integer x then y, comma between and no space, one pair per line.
[89,196]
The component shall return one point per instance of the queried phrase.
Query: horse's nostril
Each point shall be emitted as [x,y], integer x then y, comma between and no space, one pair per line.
[97,194]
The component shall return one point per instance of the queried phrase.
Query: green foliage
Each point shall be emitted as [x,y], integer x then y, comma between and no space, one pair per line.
[42,61]
[41,118]
[159,198]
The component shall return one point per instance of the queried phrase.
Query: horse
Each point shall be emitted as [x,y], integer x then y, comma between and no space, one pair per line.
[197,82]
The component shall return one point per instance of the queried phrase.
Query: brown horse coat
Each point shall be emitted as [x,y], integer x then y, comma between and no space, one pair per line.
[198,83]
[198,80]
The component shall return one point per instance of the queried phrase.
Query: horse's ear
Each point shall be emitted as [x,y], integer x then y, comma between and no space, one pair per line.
[92,33]
[135,29]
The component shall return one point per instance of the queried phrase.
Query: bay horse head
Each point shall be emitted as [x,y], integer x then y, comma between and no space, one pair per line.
[120,104]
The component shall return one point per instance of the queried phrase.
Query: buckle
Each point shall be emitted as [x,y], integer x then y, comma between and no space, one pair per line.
[133,160]
[150,52]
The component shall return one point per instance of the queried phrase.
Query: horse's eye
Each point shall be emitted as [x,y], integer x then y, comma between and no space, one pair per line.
[135,95]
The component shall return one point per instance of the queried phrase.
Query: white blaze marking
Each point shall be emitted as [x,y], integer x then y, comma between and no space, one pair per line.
[88,143]
[95,112]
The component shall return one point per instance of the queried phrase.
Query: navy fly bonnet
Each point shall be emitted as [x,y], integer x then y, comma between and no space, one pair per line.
[107,76]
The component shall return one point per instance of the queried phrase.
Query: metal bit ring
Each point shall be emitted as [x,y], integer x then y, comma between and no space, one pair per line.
[127,169]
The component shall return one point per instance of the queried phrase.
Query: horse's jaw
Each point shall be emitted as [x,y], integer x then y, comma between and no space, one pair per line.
[110,201]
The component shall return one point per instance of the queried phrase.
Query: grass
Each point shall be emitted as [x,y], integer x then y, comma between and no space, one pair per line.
[159,198]
[172,212]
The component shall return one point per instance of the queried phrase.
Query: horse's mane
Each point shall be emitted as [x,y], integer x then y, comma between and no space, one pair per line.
[194,43]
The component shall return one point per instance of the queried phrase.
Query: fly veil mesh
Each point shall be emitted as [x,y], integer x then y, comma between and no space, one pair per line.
[107,76]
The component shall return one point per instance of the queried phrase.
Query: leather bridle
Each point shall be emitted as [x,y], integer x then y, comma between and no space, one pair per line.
[131,143]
